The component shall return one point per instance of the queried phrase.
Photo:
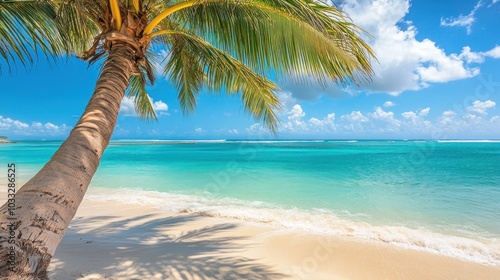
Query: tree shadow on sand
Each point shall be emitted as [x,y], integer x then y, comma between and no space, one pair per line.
[148,247]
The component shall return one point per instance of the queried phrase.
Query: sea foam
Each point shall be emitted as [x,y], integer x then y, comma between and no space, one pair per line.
[320,221]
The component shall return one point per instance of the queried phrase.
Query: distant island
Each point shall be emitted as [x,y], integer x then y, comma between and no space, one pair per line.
[4,140]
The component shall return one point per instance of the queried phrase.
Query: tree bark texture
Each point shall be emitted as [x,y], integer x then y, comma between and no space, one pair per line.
[47,203]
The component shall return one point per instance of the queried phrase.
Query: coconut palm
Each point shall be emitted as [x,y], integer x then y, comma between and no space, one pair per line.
[212,45]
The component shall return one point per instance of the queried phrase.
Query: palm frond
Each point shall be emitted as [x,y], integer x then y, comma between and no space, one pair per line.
[27,27]
[137,87]
[194,63]
[142,102]
[81,21]
[291,37]
[185,70]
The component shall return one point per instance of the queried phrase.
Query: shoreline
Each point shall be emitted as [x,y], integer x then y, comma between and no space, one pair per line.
[116,240]
[474,248]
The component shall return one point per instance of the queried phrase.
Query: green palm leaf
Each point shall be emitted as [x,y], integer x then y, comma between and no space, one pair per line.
[194,63]
[137,90]
[26,28]
[293,38]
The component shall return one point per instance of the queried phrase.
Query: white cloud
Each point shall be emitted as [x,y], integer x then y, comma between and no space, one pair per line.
[385,120]
[415,121]
[410,64]
[462,20]
[127,107]
[159,105]
[327,123]
[380,114]
[481,107]
[447,118]
[403,62]
[257,129]
[414,115]
[381,122]
[8,123]
[355,121]
[16,127]
[437,67]
[287,100]
[495,52]
[470,57]
[478,57]
[295,121]
[20,125]
[424,112]
[388,104]
[354,116]
[51,126]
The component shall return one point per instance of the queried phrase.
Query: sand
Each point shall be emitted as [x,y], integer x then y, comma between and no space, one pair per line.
[111,240]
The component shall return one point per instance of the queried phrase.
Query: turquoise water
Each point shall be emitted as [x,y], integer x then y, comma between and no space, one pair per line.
[436,196]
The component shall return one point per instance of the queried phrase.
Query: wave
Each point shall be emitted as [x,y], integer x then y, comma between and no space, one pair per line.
[468,141]
[342,141]
[159,142]
[322,221]
[274,141]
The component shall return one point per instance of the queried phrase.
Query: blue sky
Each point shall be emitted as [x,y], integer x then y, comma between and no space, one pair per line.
[437,77]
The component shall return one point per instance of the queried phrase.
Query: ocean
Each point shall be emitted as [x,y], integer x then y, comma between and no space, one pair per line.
[436,196]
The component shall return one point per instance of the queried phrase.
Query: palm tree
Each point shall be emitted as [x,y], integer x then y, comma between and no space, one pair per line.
[213,45]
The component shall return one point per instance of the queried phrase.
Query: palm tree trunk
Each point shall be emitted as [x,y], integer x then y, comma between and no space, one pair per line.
[47,203]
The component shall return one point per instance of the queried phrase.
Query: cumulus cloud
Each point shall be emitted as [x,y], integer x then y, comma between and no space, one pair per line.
[416,119]
[465,21]
[355,121]
[494,53]
[386,122]
[470,57]
[294,118]
[327,123]
[16,127]
[478,57]
[51,126]
[388,104]
[7,123]
[159,105]
[404,62]
[127,107]
[481,108]
[410,64]
[257,129]
[287,100]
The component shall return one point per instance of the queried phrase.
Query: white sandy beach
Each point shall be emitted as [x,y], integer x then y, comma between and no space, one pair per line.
[110,240]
